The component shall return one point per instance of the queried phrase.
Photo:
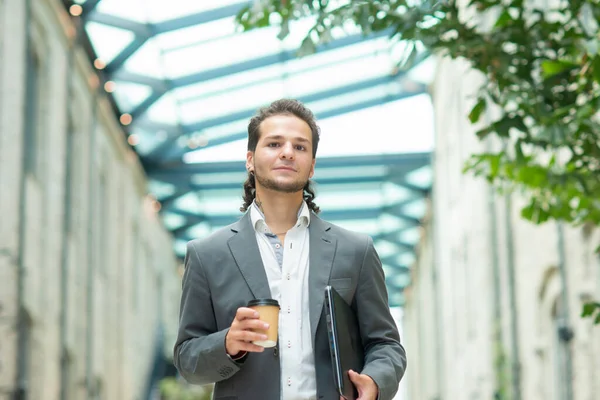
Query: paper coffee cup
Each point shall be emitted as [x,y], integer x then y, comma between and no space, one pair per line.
[268,311]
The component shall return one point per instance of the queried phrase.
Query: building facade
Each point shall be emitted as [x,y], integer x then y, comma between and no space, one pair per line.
[493,311]
[89,284]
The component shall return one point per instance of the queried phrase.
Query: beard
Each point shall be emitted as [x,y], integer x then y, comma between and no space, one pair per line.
[288,187]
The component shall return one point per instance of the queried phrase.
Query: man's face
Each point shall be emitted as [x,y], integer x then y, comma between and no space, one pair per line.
[283,158]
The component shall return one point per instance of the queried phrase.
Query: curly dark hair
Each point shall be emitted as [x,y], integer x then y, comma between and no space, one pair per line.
[280,107]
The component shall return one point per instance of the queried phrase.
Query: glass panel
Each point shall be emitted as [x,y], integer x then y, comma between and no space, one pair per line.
[135,10]
[336,56]
[148,60]
[219,177]
[408,121]
[241,47]
[415,209]
[347,188]
[411,235]
[200,230]
[173,221]
[196,34]
[161,189]
[386,249]
[399,280]
[146,141]
[389,223]
[394,193]
[378,170]
[235,151]
[180,247]
[359,96]
[337,75]
[360,200]
[189,202]
[129,95]
[165,110]
[108,41]
[215,86]
[422,177]
[225,103]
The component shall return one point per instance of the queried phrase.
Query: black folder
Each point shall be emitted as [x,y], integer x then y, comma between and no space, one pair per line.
[344,342]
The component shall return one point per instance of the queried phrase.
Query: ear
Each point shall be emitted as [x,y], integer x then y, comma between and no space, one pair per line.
[250,161]
[312,168]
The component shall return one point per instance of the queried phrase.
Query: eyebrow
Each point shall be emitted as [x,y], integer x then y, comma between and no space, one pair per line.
[297,138]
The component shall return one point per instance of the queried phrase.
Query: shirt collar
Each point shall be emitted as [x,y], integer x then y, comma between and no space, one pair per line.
[258,218]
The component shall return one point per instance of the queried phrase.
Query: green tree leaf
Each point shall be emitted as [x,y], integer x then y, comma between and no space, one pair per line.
[476,111]
[551,68]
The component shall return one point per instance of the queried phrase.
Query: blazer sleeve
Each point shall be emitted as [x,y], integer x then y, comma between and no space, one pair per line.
[199,353]
[385,357]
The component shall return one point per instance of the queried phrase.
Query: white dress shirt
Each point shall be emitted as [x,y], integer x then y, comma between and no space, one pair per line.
[286,265]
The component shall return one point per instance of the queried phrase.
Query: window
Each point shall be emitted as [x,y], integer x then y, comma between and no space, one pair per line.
[34,111]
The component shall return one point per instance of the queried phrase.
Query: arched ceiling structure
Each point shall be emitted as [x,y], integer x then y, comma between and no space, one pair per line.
[185,82]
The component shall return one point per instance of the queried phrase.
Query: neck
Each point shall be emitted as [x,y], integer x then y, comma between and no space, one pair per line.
[280,209]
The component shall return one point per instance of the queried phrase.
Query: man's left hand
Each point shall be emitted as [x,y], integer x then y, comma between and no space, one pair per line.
[366,386]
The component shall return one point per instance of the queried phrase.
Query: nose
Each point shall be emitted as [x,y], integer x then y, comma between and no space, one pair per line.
[287,151]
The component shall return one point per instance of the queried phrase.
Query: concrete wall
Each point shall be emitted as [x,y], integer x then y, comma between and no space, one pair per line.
[97,267]
[475,238]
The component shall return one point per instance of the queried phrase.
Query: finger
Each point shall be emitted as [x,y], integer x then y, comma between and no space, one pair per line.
[250,347]
[256,324]
[247,336]
[354,377]
[243,313]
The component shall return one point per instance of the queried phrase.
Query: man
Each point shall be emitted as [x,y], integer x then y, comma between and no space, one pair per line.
[280,249]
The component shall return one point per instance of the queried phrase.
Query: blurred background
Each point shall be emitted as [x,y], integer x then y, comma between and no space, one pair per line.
[462,136]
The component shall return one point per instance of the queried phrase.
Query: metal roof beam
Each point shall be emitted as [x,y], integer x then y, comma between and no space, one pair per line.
[124,55]
[413,188]
[406,160]
[138,28]
[88,7]
[199,18]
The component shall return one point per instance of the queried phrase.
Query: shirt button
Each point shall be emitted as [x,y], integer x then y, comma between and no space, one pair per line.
[277,246]
[288,277]
[289,309]
[289,381]
[289,344]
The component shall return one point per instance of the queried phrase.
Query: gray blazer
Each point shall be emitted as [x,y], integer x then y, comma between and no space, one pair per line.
[224,271]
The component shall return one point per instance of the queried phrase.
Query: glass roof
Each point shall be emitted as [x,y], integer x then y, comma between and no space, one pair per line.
[186,81]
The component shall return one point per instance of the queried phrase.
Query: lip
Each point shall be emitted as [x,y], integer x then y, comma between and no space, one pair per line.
[285,169]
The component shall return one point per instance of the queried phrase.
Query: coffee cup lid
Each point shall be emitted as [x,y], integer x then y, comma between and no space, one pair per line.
[263,302]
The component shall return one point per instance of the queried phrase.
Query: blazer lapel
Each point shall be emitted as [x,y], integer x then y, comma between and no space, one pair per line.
[244,248]
[322,250]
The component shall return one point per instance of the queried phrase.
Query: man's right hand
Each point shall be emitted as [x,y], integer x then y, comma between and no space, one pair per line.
[240,337]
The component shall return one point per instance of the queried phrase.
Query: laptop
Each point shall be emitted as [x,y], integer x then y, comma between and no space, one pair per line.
[344,342]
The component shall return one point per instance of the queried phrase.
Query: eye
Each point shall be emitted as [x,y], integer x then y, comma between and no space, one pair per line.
[300,147]
[273,144]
